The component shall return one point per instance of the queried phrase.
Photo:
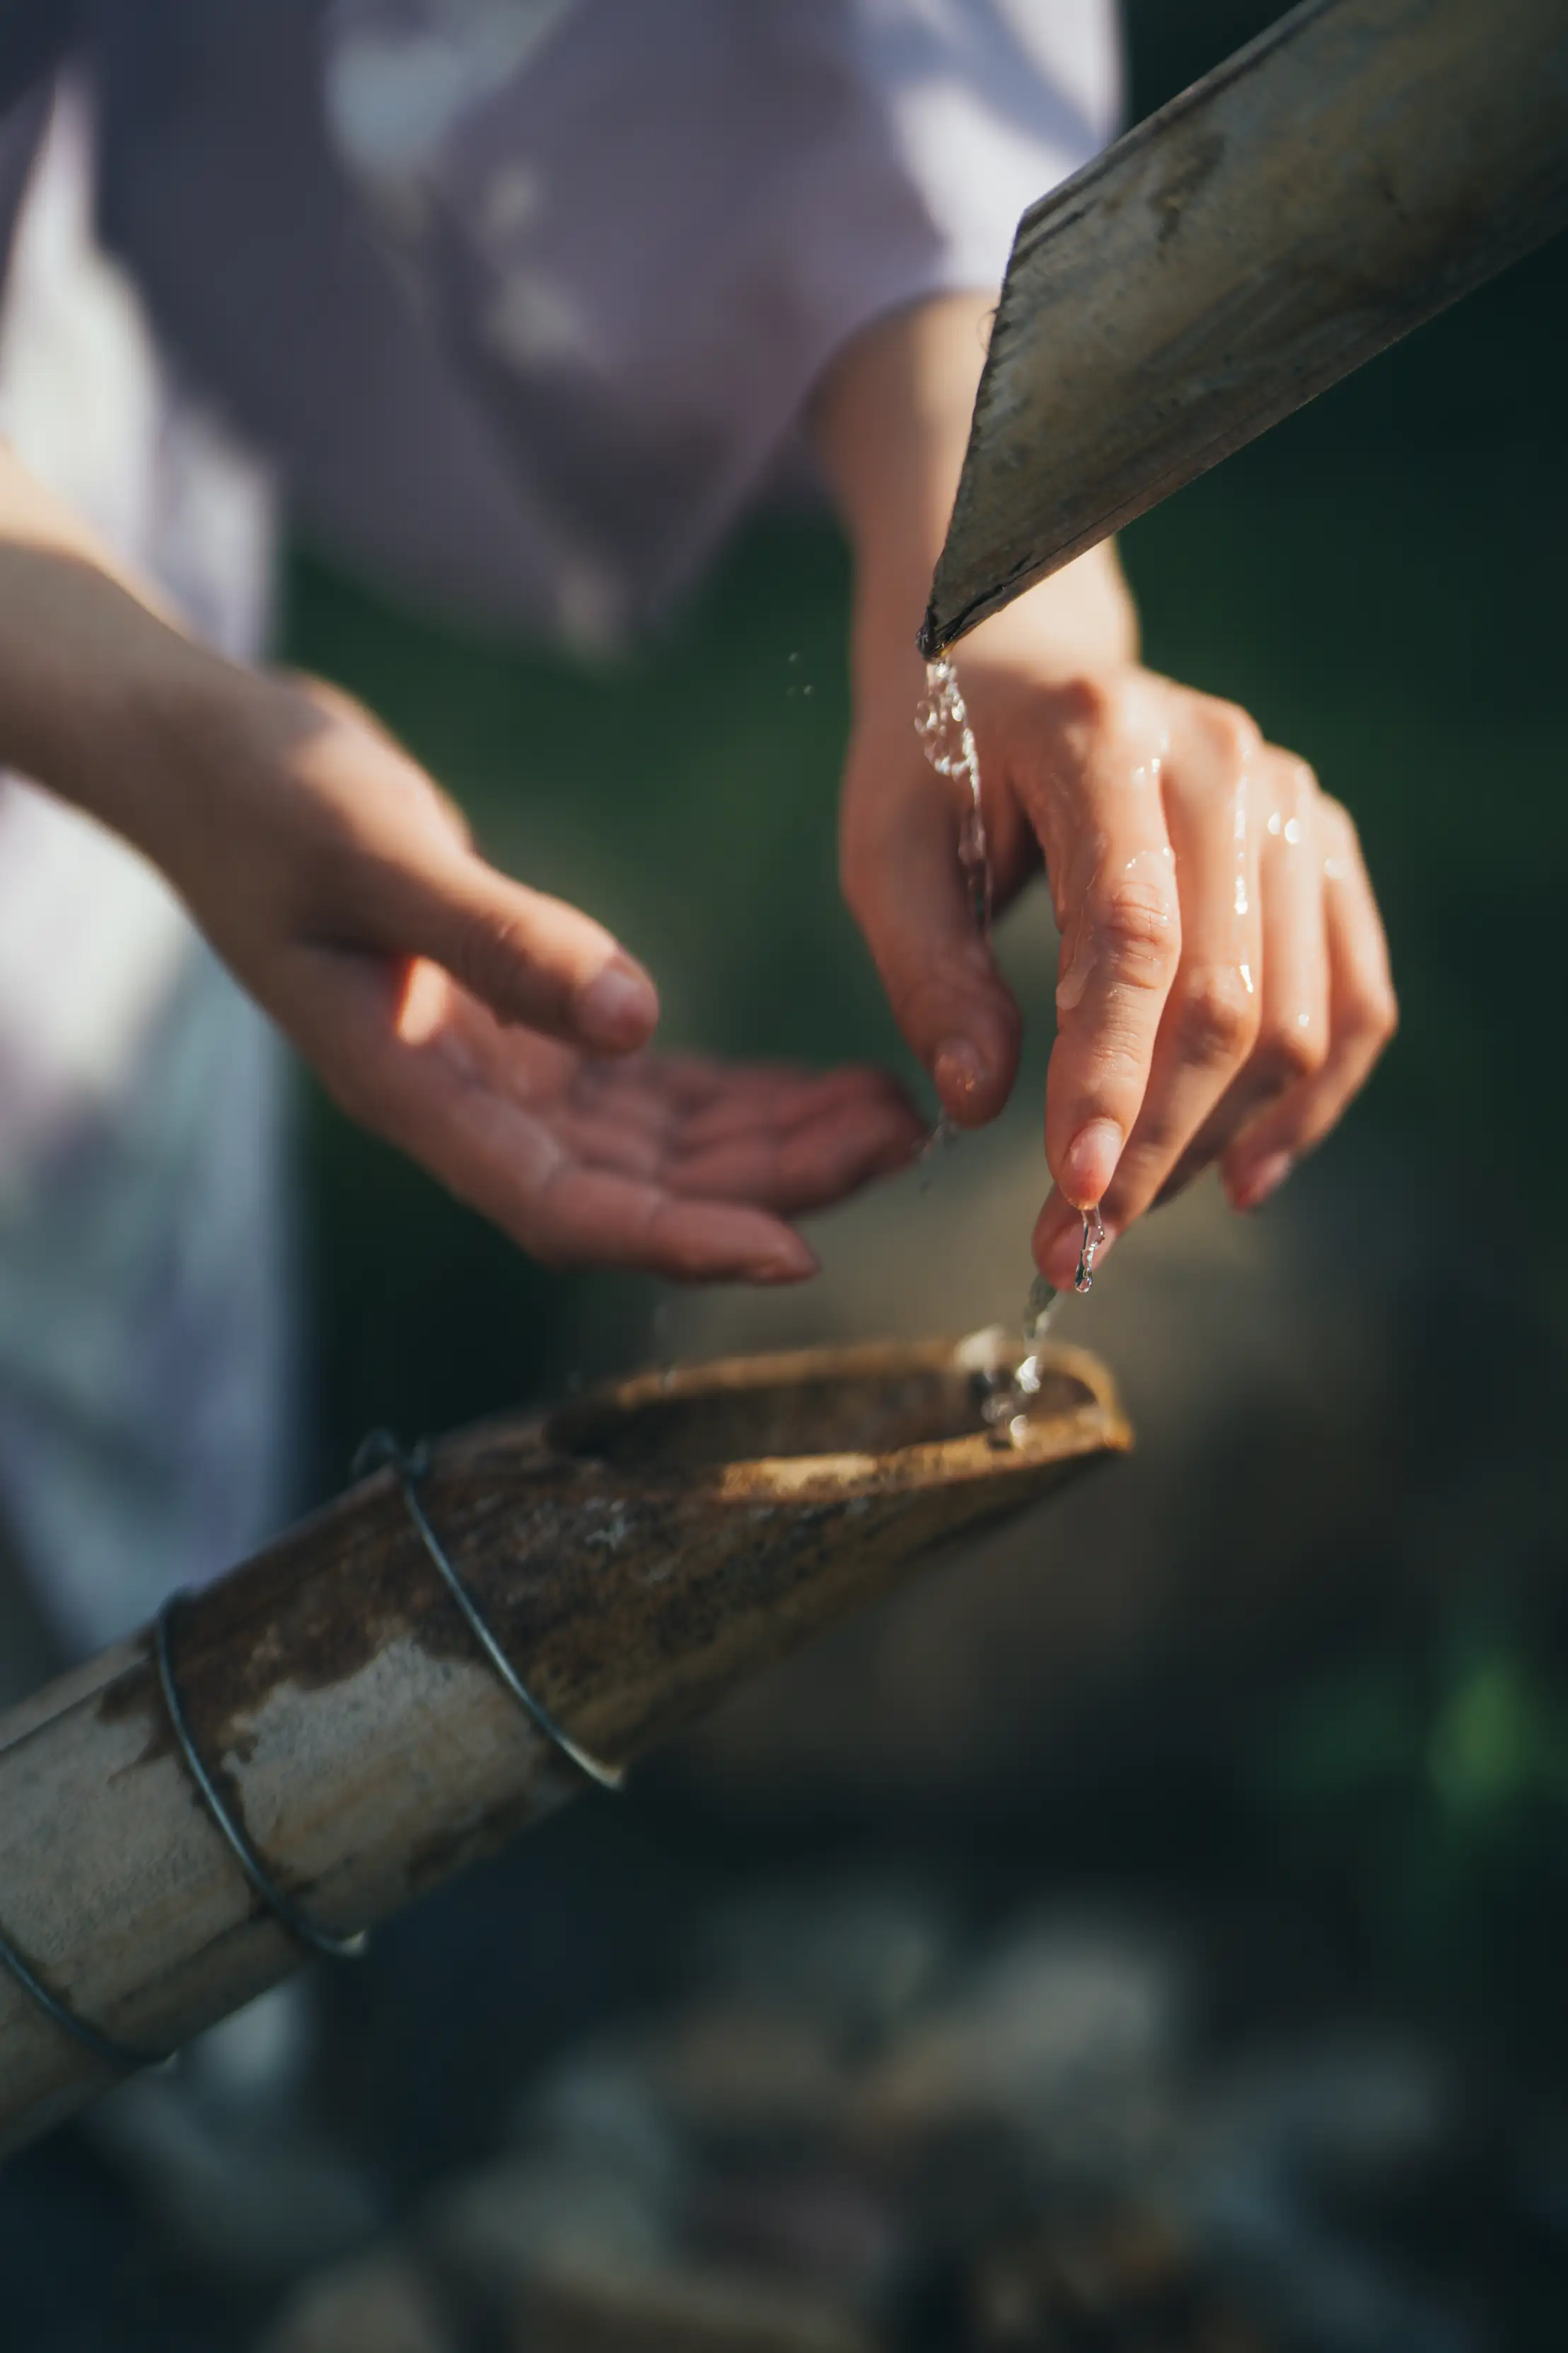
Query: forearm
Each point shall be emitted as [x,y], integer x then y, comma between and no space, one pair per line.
[95,680]
[891,422]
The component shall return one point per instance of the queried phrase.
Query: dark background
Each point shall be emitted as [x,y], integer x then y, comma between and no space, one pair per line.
[1380,581]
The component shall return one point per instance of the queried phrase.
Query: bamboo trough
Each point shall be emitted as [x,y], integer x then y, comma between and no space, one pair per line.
[631,1557]
[1359,166]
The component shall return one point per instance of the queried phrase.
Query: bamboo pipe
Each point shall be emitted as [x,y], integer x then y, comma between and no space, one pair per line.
[1343,177]
[635,1555]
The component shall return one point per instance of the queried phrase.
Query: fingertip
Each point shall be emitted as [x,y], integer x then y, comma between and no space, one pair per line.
[973,1076]
[959,1071]
[1251,1182]
[617,1011]
[789,1261]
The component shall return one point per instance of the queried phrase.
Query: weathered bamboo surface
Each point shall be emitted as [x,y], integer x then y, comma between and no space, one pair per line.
[1346,175]
[637,1554]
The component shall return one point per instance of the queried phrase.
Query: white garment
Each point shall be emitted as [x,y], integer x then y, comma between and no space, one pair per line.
[643,232]
[526,297]
[144,1292]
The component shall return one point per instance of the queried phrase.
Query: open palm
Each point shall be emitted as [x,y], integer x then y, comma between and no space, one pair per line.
[493,1033]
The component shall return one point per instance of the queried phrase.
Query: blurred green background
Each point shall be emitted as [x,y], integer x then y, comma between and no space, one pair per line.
[1379,581]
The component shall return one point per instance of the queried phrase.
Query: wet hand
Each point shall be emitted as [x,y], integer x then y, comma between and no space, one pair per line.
[1223,987]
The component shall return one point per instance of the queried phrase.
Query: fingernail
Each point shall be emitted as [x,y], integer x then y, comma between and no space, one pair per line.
[1090,1163]
[789,1263]
[1254,1186]
[958,1069]
[617,1008]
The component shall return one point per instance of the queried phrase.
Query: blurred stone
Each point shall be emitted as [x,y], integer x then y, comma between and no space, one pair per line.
[381,2304]
[595,2107]
[859,1958]
[1129,2281]
[819,2224]
[1066,2039]
[227,2154]
[1351,2119]
[679,2307]
[488,2236]
[736,2070]
[1294,2160]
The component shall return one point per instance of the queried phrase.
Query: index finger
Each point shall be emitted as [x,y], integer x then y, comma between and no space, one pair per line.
[1102,822]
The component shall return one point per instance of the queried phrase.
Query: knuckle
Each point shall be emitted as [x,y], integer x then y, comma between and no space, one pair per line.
[1233,733]
[1287,1053]
[1097,702]
[1136,925]
[1217,1020]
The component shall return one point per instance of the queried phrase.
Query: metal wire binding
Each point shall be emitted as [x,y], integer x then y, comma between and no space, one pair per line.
[122,2056]
[298,1924]
[381,1448]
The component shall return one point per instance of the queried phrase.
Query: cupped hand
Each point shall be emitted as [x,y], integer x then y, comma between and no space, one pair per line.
[493,1033]
[1222,985]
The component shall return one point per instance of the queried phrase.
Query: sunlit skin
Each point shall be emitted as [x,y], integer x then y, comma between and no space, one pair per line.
[496,1035]
[1224,987]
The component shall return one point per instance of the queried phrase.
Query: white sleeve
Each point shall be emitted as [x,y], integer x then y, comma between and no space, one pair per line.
[644,230]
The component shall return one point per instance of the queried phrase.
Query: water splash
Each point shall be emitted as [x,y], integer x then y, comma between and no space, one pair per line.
[947,739]
[1004,1408]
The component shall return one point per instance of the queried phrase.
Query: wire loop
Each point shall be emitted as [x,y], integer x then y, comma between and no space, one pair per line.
[379,1450]
[123,2057]
[298,1924]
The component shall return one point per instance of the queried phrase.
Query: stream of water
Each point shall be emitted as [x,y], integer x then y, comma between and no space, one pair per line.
[947,739]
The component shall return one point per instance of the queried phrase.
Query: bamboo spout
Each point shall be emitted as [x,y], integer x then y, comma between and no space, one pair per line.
[1361,165]
[635,1555]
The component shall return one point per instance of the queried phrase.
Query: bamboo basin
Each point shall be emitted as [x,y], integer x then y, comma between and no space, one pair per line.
[840,1405]
[635,1554]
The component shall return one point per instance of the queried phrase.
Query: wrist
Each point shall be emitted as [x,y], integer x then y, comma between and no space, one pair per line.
[1082,622]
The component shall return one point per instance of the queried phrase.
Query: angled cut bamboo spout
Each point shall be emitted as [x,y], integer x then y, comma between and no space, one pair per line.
[334,1709]
[1352,172]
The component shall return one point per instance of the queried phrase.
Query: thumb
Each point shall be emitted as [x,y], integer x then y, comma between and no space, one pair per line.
[907,890]
[532,959]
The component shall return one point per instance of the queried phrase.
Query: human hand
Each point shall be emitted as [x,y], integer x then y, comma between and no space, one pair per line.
[493,1033]
[490,1031]
[1222,985]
